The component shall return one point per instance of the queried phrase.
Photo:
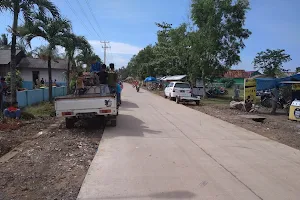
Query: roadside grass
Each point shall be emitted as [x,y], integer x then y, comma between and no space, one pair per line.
[44,109]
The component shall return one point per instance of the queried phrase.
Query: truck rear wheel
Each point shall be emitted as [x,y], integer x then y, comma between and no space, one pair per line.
[113,122]
[70,122]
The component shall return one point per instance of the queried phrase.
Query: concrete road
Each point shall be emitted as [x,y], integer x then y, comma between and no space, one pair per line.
[161,150]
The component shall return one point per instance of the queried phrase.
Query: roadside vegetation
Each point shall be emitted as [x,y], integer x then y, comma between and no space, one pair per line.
[45,109]
[36,152]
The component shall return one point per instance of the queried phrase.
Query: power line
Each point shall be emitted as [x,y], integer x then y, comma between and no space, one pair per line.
[74,12]
[88,19]
[98,25]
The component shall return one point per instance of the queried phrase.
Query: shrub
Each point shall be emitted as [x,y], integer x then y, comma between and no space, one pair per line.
[228,82]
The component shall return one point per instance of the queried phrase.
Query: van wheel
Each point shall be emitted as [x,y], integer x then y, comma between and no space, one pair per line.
[70,122]
[177,100]
[197,103]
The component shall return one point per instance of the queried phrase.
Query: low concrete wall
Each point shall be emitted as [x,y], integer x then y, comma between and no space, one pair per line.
[31,97]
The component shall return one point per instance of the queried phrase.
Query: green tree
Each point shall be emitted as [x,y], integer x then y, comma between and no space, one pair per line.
[4,42]
[26,8]
[87,56]
[42,52]
[270,61]
[169,56]
[54,31]
[72,44]
[219,36]
[19,79]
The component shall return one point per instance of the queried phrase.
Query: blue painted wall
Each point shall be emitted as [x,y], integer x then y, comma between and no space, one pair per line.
[28,85]
[46,94]
[22,98]
[31,97]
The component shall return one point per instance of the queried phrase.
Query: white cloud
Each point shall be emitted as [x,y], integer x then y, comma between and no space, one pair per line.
[60,50]
[119,60]
[116,47]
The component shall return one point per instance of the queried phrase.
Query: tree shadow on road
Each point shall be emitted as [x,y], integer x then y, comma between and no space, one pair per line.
[128,104]
[128,125]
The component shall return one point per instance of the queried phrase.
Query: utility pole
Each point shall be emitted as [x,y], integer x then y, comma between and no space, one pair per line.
[105,47]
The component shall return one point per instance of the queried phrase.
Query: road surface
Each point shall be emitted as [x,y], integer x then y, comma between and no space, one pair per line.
[161,150]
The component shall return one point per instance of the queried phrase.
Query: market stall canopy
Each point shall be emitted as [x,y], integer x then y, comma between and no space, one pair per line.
[150,79]
[173,78]
[269,83]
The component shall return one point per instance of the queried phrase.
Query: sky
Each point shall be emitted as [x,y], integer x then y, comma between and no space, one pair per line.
[129,26]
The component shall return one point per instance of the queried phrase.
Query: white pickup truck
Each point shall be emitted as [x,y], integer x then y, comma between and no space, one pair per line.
[88,105]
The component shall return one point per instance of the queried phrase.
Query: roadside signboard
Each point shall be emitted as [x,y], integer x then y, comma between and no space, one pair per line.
[296,86]
[250,89]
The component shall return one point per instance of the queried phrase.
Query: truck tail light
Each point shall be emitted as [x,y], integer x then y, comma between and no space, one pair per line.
[105,111]
[67,113]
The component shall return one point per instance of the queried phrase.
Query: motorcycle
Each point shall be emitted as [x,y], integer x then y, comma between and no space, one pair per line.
[215,91]
[266,101]
[137,88]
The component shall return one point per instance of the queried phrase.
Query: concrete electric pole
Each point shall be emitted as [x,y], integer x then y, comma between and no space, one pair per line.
[105,47]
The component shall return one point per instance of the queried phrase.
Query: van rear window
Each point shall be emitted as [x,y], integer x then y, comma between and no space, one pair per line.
[182,85]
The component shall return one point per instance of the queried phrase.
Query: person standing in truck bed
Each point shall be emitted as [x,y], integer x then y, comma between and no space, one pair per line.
[112,78]
[103,81]
[103,75]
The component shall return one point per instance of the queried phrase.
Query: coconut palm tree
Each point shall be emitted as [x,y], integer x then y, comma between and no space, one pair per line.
[87,56]
[26,8]
[54,31]
[71,45]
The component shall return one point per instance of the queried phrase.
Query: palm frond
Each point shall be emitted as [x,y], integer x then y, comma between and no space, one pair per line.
[5,5]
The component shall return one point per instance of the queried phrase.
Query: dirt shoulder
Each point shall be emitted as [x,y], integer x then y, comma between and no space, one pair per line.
[25,130]
[275,127]
[51,166]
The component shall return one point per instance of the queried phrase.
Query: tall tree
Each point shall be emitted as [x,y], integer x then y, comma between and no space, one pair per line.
[72,44]
[87,56]
[26,8]
[270,61]
[4,42]
[219,38]
[54,31]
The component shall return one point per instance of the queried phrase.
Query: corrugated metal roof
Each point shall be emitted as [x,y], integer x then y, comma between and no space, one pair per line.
[5,56]
[40,63]
[236,74]
[173,78]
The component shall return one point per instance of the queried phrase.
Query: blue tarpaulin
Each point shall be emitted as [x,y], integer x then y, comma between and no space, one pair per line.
[150,79]
[266,83]
[269,83]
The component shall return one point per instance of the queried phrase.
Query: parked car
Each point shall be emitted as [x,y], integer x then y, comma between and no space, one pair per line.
[181,92]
